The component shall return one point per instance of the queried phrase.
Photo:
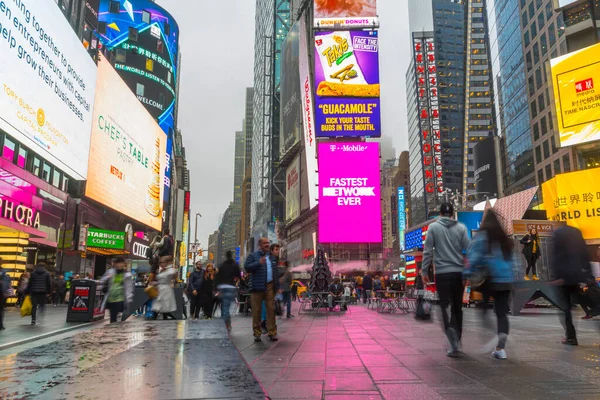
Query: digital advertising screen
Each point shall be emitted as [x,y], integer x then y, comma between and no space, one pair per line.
[349,193]
[292,193]
[291,105]
[574,77]
[48,82]
[401,216]
[127,152]
[347,100]
[347,13]
[145,39]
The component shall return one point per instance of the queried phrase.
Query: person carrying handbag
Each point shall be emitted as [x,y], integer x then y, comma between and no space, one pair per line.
[5,291]
[490,270]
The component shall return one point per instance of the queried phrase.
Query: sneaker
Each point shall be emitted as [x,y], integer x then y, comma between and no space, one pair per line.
[453,339]
[32,322]
[453,353]
[499,354]
[290,316]
[273,338]
[569,342]
[257,339]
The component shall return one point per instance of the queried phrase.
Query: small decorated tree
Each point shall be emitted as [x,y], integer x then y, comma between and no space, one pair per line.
[320,276]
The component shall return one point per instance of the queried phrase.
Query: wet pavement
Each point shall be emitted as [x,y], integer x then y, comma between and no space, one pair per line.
[367,355]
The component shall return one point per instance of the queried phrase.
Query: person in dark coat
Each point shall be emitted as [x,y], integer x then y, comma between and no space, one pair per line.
[367,285]
[264,285]
[226,280]
[194,285]
[571,266]
[531,251]
[60,291]
[40,286]
[207,291]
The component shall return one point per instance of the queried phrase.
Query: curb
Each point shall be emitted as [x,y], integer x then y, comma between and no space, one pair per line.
[43,336]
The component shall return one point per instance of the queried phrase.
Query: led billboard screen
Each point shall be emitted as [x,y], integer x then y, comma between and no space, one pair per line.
[127,154]
[401,216]
[349,193]
[347,99]
[347,13]
[574,77]
[48,82]
[145,40]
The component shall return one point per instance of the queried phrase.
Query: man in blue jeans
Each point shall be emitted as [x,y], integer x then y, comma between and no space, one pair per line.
[228,275]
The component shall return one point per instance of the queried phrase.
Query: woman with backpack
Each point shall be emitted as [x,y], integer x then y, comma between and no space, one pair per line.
[490,270]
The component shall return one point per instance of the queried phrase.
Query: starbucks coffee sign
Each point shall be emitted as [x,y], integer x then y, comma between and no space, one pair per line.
[105,239]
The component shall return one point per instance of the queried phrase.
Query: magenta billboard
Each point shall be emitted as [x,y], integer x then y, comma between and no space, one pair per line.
[349,193]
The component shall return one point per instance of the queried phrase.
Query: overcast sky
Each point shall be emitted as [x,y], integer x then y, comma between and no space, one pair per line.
[217,45]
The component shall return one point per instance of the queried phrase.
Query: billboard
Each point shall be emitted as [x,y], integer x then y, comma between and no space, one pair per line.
[347,99]
[472,220]
[308,118]
[486,173]
[48,82]
[145,39]
[574,77]
[291,107]
[292,192]
[347,14]
[127,152]
[349,193]
[401,216]
[574,198]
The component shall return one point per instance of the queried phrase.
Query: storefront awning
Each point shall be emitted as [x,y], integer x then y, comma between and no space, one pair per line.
[106,252]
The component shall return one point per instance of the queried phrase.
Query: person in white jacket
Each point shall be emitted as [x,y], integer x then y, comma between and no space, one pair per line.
[165,303]
[118,286]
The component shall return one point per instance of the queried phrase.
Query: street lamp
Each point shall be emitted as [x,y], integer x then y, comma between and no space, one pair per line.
[196,236]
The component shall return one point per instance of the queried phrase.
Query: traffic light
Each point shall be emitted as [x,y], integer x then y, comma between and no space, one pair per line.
[211,256]
[200,253]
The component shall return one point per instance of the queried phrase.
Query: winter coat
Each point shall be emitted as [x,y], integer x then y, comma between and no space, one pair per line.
[165,302]
[228,273]
[40,282]
[377,284]
[479,255]
[570,258]
[446,244]
[367,282]
[61,286]
[195,281]
[128,286]
[528,247]
[259,271]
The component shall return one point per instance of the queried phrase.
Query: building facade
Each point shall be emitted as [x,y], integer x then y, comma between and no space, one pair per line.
[389,170]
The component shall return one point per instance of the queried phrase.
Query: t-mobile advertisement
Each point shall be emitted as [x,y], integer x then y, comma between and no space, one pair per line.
[349,193]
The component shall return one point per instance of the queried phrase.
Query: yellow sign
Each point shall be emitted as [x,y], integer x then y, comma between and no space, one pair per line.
[211,256]
[575,77]
[574,198]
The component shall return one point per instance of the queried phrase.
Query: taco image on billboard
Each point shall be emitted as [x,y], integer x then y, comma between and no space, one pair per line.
[345,8]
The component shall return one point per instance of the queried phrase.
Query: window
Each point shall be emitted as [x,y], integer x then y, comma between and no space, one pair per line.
[36,166]
[553,142]
[114,7]
[149,64]
[541,20]
[548,171]
[550,125]
[531,10]
[8,151]
[56,179]
[546,150]
[543,44]
[551,34]
[538,78]
[526,36]
[533,29]
[46,172]
[556,167]
[566,163]
[524,19]
[167,28]
[536,132]
[529,61]
[533,109]
[65,184]
[133,34]
[139,89]
[541,102]
[538,154]
[146,17]
[541,176]
[536,53]
[543,125]
[22,158]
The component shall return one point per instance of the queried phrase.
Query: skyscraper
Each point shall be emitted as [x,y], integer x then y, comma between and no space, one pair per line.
[238,177]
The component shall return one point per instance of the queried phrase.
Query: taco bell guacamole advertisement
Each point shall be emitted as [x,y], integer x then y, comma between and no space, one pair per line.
[127,152]
[347,102]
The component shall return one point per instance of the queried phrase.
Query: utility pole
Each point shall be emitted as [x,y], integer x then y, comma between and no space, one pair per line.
[196,238]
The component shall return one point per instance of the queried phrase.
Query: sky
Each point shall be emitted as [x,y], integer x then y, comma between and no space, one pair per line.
[217,64]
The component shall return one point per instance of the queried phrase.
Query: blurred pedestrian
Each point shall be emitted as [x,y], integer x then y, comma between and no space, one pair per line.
[285,285]
[194,286]
[60,290]
[571,267]
[39,286]
[22,287]
[531,251]
[446,244]
[228,275]
[490,255]
[367,285]
[294,291]
[5,285]
[118,286]
[207,289]
[165,302]
[265,283]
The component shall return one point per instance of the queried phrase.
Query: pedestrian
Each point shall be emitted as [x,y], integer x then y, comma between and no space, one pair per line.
[227,277]
[294,292]
[490,253]
[285,285]
[165,302]
[60,290]
[194,285]
[571,267]
[358,284]
[531,251]
[264,282]
[377,286]
[207,297]
[336,290]
[118,286]
[446,244]
[367,285]
[5,286]
[39,286]
[22,287]
[166,245]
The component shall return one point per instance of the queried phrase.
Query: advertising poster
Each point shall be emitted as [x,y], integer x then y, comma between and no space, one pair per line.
[472,220]
[349,193]
[347,99]
[308,118]
[574,78]
[574,198]
[347,13]
[401,216]
[127,154]
[81,299]
[292,193]
[486,174]
[48,82]
[291,106]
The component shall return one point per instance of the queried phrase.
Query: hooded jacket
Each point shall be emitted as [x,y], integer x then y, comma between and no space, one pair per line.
[446,245]
[40,282]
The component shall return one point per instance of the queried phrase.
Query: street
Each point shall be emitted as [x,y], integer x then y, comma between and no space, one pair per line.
[357,355]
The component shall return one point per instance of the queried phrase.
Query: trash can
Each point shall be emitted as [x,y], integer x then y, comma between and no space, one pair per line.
[85,301]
